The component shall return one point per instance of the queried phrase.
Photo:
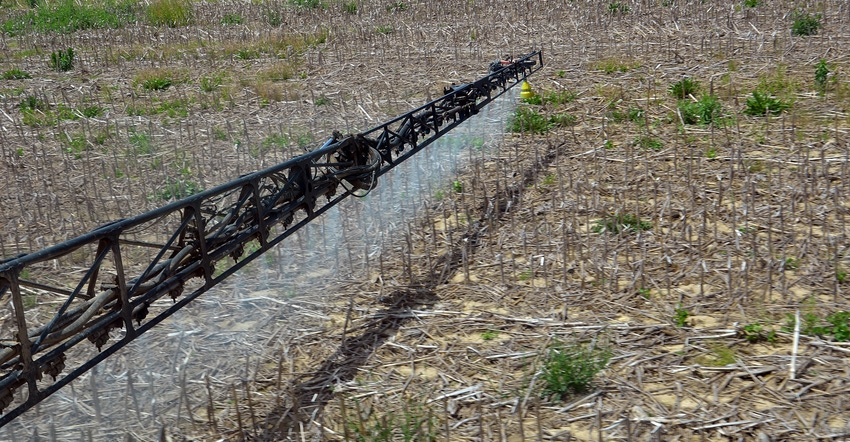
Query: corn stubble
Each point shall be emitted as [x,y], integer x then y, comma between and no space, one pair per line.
[721,208]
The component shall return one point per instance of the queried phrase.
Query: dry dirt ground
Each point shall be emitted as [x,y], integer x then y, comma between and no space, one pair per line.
[448,337]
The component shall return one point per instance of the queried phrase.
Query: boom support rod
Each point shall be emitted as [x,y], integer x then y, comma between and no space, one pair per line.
[181,250]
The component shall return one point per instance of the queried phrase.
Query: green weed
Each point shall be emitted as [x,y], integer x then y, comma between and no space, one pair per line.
[210,83]
[489,335]
[705,112]
[396,7]
[231,19]
[756,333]
[617,8]
[457,187]
[528,120]
[16,74]
[684,88]
[612,65]
[821,76]
[385,30]
[648,142]
[178,189]
[416,423]
[556,98]
[322,100]
[570,369]
[62,61]
[620,223]
[308,4]
[646,292]
[721,356]
[141,144]
[680,316]
[751,3]
[563,120]
[349,7]
[91,111]
[761,104]
[805,24]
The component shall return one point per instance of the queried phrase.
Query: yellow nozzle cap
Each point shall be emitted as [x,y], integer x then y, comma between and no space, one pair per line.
[525,90]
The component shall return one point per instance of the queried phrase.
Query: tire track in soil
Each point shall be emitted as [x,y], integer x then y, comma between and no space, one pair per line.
[309,396]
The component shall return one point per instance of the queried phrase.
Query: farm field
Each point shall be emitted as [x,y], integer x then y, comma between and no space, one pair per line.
[655,248]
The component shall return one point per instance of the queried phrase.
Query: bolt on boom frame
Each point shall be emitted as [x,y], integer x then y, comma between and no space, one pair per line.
[181,250]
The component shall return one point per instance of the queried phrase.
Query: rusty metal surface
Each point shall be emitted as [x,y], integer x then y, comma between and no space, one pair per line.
[125,271]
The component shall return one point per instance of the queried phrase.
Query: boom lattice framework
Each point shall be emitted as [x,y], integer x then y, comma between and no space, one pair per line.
[180,250]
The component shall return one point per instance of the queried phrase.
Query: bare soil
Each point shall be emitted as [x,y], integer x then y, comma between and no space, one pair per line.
[450,331]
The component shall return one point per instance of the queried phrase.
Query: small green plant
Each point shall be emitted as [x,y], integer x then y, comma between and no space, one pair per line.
[711,153]
[489,335]
[62,61]
[561,74]
[791,263]
[751,3]
[16,74]
[756,332]
[416,423]
[570,369]
[349,7]
[549,180]
[457,186]
[170,13]
[322,100]
[396,7]
[385,30]
[156,84]
[178,189]
[646,292]
[612,65]
[524,275]
[31,103]
[684,88]
[308,4]
[617,8]
[439,195]
[141,144]
[210,83]
[707,111]
[552,97]
[91,111]
[231,19]
[528,120]
[821,76]
[609,144]
[841,276]
[648,142]
[761,104]
[563,120]
[805,24]
[620,223]
[680,316]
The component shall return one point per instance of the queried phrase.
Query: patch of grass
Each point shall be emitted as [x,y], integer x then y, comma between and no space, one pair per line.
[172,108]
[528,120]
[170,13]
[705,112]
[62,61]
[684,88]
[620,223]
[680,316]
[16,74]
[75,145]
[278,72]
[349,7]
[570,369]
[563,120]
[67,16]
[649,142]
[612,65]
[231,19]
[805,23]
[721,356]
